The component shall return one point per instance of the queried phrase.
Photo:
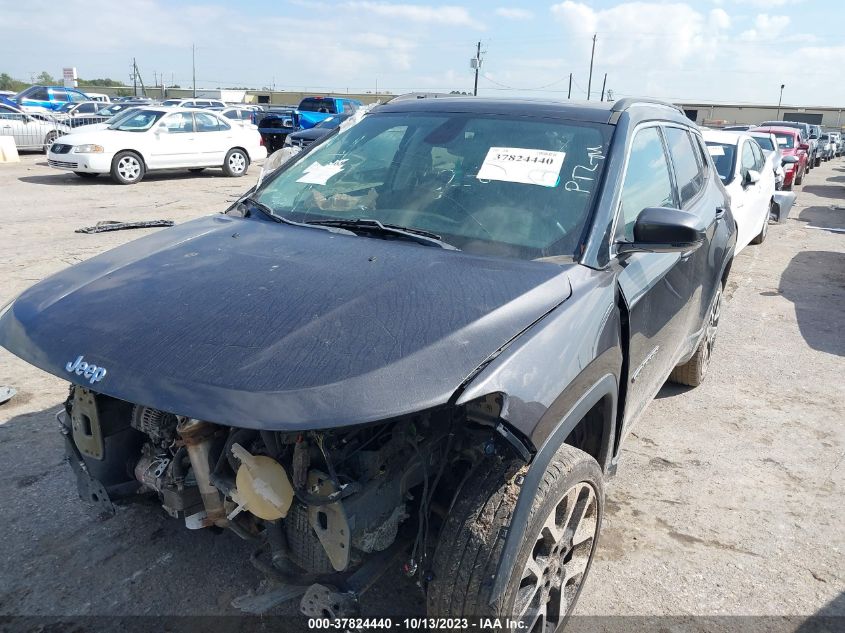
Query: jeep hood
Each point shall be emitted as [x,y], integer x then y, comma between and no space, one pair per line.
[263,325]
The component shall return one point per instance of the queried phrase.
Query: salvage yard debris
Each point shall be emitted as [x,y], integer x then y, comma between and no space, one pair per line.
[112,225]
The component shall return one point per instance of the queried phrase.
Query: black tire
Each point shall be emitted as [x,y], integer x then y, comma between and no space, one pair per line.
[799,179]
[470,543]
[764,231]
[817,162]
[49,140]
[85,174]
[236,163]
[196,170]
[127,168]
[693,372]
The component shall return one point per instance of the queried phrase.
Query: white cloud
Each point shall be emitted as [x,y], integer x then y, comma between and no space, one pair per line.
[720,19]
[443,14]
[514,14]
[663,34]
[766,27]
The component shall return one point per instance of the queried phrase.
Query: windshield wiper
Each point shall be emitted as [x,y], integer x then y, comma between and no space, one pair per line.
[251,203]
[419,236]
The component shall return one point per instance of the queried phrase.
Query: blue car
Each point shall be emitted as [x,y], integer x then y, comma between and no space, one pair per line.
[49,97]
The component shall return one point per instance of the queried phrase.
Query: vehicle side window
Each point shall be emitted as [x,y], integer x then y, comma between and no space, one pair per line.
[348,108]
[209,123]
[59,94]
[233,114]
[179,122]
[77,97]
[647,182]
[748,161]
[759,159]
[38,94]
[87,108]
[688,174]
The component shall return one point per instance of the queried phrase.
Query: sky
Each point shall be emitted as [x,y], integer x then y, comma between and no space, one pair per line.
[709,50]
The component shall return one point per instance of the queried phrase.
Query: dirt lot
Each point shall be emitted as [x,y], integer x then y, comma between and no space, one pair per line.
[728,500]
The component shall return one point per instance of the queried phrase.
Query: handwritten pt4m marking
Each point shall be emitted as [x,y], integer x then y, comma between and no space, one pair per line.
[583,174]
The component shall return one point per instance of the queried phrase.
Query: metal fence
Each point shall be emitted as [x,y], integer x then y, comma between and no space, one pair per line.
[33,131]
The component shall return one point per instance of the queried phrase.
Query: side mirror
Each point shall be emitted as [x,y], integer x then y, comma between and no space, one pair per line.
[789,160]
[804,146]
[751,177]
[161,129]
[664,230]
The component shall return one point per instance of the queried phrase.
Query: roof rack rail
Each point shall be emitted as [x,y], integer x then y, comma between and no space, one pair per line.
[623,104]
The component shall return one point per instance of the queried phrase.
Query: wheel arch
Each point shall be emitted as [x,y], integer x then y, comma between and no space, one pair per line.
[602,396]
[137,153]
[243,149]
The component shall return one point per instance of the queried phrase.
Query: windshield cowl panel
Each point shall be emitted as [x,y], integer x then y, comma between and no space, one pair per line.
[516,187]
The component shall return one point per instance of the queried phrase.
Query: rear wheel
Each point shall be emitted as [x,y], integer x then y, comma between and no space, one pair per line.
[553,559]
[236,163]
[692,372]
[85,174]
[127,168]
[799,178]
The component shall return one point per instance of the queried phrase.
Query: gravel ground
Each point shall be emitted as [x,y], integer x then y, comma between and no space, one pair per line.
[728,500]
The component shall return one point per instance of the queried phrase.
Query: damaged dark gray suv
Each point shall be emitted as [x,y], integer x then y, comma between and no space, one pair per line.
[420,343]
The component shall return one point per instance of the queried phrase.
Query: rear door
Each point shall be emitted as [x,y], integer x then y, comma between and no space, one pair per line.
[657,287]
[701,195]
[213,138]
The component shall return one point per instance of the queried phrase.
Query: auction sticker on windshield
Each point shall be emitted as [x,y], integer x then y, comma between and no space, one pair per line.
[317,174]
[527,166]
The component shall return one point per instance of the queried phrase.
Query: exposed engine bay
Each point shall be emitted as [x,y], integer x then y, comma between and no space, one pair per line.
[317,503]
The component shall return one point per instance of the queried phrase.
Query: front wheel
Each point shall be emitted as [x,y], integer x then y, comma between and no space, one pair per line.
[799,178]
[553,559]
[764,231]
[49,140]
[692,372]
[127,168]
[236,163]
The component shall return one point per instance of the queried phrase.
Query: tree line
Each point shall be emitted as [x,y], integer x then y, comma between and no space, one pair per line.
[7,82]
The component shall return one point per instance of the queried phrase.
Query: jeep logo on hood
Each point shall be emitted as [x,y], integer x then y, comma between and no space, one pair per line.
[88,370]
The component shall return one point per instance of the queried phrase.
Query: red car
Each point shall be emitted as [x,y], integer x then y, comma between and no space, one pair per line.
[791,144]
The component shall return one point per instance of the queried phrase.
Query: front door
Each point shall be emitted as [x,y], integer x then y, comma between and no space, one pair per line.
[656,287]
[174,142]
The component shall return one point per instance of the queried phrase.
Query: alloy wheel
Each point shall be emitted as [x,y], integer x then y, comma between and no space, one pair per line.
[129,168]
[712,326]
[237,162]
[558,562]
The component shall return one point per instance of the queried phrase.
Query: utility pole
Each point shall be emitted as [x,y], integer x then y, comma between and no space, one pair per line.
[477,68]
[780,100]
[134,78]
[592,56]
[569,96]
[194,67]
[603,84]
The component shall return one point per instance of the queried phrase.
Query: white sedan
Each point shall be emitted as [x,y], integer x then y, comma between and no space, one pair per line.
[159,138]
[749,176]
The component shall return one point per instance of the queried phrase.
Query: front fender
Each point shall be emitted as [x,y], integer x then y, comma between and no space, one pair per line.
[605,389]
